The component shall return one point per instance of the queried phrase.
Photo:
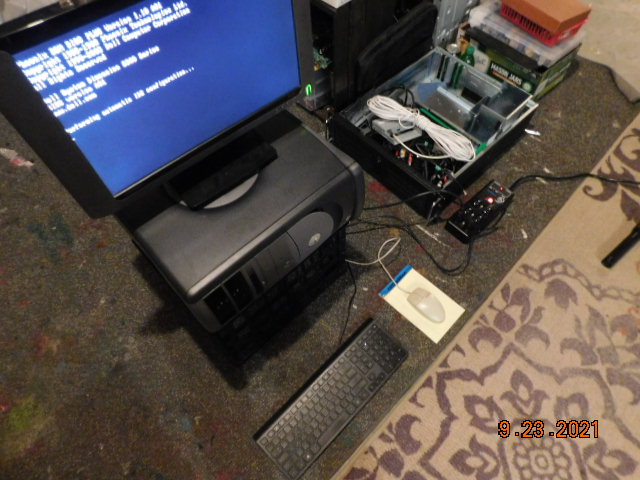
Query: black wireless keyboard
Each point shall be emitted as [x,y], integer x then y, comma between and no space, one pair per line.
[314,416]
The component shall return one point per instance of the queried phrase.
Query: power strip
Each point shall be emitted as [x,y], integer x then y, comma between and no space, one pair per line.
[479,212]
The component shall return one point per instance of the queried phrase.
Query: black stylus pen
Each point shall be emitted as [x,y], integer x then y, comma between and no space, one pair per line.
[623,247]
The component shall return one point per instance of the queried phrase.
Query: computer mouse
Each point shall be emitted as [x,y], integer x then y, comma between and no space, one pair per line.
[427,304]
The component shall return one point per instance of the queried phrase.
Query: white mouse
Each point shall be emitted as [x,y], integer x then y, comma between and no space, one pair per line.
[427,304]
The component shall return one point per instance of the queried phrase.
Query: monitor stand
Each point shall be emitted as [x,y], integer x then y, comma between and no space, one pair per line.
[232,195]
[224,176]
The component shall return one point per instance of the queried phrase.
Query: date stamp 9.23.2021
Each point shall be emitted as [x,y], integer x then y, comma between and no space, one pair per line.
[536,429]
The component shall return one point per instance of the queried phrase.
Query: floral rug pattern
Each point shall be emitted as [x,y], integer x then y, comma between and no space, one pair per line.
[543,383]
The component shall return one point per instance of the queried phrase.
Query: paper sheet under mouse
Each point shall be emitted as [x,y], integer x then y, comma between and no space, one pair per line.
[409,279]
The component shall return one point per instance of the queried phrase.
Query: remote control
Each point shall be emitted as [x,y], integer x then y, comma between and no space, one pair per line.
[478,213]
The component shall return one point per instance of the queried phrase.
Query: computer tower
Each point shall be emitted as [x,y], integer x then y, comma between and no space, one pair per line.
[344,32]
[245,269]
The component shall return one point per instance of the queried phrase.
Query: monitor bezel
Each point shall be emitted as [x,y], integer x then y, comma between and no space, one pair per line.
[44,133]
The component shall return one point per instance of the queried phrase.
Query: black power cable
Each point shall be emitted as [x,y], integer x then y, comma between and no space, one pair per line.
[564,178]
[461,267]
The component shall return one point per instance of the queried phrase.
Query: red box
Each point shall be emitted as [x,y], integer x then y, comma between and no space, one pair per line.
[549,21]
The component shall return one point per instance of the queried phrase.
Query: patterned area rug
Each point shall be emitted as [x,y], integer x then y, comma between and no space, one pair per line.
[543,383]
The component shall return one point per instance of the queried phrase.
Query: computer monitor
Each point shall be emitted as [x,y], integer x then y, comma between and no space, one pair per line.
[120,96]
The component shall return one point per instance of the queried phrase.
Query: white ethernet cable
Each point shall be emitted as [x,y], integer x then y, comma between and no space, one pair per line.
[452,143]
[394,241]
